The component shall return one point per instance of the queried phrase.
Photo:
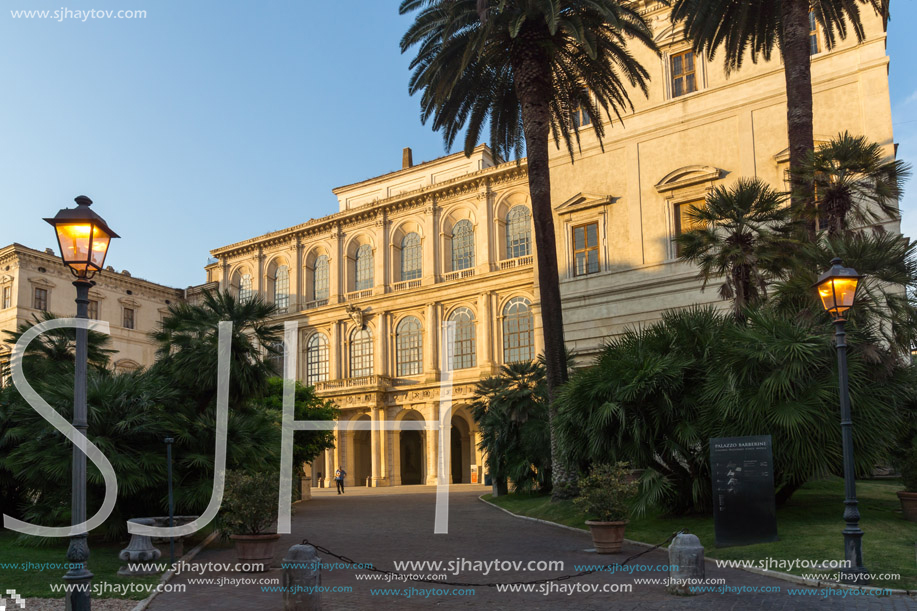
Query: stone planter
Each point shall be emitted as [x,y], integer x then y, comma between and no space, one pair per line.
[255,550]
[909,505]
[607,536]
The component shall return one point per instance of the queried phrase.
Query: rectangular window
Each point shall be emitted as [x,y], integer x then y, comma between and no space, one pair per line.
[128,318]
[813,34]
[581,118]
[7,296]
[684,79]
[40,300]
[683,221]
[93,309]
[586,249]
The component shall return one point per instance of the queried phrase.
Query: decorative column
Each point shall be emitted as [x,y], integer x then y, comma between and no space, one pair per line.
[337,266]
[376,438]
[260,271]
[485,335]
[430,244]
[381,255]
[338,349]
[380,345]
[329,467]
[482,254]
[431,342]
[432,435]
[297,284]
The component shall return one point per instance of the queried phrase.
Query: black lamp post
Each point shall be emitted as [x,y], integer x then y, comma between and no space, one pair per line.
[837,289]
[83,237]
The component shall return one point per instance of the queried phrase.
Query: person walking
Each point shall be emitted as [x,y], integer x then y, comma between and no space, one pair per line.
[339,478]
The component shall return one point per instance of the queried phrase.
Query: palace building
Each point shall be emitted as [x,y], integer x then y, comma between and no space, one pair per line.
[450,240]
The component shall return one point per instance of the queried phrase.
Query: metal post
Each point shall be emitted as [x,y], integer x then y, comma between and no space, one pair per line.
[169,441]
[78,599]
[853,536]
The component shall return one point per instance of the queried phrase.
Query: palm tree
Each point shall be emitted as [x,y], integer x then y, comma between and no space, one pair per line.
[54,350]
[854,182]
[526,67]
[188,341]
[742,239]
[756,27]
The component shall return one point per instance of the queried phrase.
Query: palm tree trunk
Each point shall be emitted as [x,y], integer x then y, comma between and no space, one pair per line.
[533,86]
[794,45]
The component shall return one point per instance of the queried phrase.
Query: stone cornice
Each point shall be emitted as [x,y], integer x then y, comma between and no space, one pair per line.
[466,184]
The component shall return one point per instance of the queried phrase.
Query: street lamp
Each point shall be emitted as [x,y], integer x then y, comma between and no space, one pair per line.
[837,288]
[83,237]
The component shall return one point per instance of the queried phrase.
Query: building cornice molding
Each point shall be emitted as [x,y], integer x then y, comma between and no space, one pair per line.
[433,195]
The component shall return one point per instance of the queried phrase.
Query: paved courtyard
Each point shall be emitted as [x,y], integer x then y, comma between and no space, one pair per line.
[383,525]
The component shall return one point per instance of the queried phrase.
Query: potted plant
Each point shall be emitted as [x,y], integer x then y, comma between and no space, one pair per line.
[908,496]
[605,495]
[247,515]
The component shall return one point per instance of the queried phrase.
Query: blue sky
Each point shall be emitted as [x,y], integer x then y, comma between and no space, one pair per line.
[210,122]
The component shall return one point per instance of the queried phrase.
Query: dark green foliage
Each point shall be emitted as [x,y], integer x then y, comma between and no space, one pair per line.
[657,395]
[307,406]
[753,28]
[470,57]
[249,503]
[606,493]
[512,414]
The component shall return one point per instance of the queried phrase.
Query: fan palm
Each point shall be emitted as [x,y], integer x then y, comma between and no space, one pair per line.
[741,238]
[526,67]
[854,183]
[755,28]
[188,342]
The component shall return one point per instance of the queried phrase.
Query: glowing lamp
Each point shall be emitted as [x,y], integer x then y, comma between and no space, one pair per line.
[83,237]
[837,288]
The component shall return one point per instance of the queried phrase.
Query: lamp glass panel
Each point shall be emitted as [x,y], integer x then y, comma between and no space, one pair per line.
[75,240]
[826,293]
[844,290]
[100,242]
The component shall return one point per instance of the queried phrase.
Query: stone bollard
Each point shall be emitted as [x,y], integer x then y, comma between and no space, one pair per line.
[301,582]
[686,564]
[139,550]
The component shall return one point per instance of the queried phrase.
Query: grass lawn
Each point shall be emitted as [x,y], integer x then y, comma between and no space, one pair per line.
[103,562]
[809,526]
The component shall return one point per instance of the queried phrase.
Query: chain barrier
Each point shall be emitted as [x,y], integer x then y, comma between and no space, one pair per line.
[374,569]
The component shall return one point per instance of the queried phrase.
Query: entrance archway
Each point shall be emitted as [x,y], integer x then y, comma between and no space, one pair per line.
[362,454]
[411,457]
[460,451]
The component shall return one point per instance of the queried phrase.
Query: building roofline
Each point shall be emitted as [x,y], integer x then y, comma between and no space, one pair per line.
[438,160]
[343,215]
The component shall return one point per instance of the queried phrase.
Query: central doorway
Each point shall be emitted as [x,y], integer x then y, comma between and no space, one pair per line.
[362,455]
[411,457]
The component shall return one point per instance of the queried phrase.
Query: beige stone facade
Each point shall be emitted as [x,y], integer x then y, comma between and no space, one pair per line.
[32,281]
[617,210]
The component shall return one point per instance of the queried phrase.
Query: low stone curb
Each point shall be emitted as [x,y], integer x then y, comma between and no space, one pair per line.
[143,604]
[775,574]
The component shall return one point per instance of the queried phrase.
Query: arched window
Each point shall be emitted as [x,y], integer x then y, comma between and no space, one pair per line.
[462,245]
[518,232]
[409,347]
[320,278]
[245,288]
[411,257]
[364,268]
[274,357]
[518,338]
[462,351]
[282,288]
[361,353]
[316,359]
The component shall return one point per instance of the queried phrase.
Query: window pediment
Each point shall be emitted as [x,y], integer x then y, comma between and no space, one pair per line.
[583,201]
[128,302]
[42,282]
[784,155]
[688,176]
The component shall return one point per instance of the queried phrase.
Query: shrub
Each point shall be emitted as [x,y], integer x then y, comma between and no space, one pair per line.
[249,503]
[606,493]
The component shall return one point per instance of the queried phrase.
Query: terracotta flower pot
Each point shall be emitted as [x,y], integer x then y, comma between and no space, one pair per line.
[607,536]
[909,505]
[255,550]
